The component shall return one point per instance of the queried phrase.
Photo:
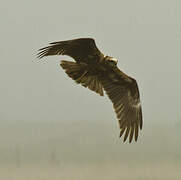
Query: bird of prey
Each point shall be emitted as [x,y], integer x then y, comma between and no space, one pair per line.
[94,70]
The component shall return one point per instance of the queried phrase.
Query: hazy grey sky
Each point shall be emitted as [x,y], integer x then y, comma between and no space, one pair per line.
[145,37]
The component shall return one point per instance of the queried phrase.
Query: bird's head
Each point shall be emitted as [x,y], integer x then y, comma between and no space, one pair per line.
[111,61]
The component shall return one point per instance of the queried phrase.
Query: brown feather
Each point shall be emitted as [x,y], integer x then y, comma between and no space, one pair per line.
[80,73]
[125,98]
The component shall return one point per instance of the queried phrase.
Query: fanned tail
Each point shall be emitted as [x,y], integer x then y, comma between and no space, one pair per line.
[79,72]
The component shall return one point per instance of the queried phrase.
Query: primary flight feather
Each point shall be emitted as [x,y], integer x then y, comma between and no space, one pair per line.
[98,72]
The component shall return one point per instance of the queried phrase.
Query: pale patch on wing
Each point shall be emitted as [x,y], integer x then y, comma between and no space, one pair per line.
[127,106]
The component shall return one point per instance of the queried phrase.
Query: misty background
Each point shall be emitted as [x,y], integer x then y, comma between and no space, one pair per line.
[52,128]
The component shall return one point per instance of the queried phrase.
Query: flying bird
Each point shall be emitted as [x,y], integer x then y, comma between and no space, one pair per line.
[99,73]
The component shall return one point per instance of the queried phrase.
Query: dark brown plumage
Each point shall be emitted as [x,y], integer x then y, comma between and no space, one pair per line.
[97,72]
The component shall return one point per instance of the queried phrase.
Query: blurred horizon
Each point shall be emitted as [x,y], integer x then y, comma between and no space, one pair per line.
[52,146]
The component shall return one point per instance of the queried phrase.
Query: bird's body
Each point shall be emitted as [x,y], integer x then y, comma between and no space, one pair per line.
[98,72]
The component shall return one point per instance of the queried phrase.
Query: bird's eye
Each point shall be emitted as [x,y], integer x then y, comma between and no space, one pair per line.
[113,63]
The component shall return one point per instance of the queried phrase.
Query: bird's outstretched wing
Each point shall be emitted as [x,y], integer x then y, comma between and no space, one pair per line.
[82,49]
[124,94]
